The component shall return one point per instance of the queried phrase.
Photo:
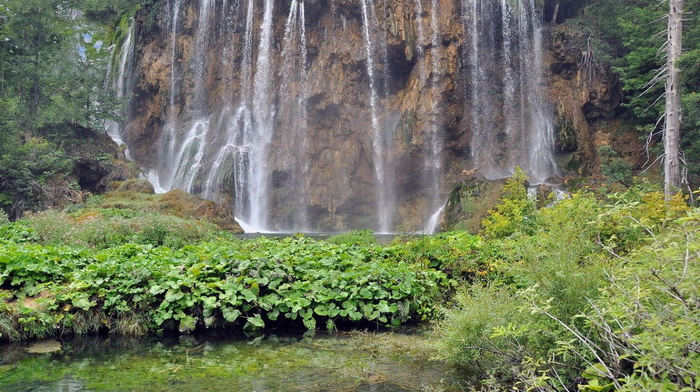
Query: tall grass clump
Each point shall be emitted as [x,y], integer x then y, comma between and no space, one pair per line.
[102,229]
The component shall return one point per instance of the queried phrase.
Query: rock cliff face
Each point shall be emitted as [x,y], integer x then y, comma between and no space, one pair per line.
[586,95]
[342,114]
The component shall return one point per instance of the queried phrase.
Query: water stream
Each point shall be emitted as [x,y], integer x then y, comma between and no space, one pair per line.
[293,95]
[435,136]
[120,83]
[380,141]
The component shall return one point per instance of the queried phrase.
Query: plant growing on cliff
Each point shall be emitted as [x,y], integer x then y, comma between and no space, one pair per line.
[514,213]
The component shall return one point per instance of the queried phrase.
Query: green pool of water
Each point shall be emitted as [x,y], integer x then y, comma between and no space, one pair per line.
[348,362]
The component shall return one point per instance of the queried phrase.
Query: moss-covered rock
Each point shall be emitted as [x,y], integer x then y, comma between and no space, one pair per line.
[184,205]
[137,185]
[469,202]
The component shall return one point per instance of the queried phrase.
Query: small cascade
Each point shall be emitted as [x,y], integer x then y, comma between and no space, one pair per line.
[247,65]
[381,142]
[120,83]
[422,36]
[223,150]
[242,129]
[168,139]
[434,137]
[431,226]
[181,152]
[293,95]
[175,17]
[516,129]
[254,138]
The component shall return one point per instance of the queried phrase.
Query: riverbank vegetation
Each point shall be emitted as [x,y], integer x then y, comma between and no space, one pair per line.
[593,293]
[157,273]
[596,290]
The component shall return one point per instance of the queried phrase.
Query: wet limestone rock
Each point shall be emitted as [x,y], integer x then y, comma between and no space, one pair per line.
[184,205]
[175,202]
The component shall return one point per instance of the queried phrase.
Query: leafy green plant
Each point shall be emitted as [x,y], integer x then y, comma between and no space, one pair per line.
[357,237]
[455,252]
[648,319]
[223,284]
[614,167]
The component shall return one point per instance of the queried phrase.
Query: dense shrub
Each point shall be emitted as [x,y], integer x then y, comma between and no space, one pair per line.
[514,212]
[492,328]
[522,326]
[646,322]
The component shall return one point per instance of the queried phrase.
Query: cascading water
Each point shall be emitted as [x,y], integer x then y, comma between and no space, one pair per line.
[420,51]
[249,118]
[517,129]
[263,113]
[181,152]
[434,137]
[381,142]
[120,84]
[293,95]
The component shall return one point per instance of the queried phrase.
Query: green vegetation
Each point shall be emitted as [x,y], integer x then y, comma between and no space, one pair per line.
[52,97]
[594,291]
[133,272]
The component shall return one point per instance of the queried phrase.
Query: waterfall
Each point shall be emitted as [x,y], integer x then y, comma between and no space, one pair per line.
[120,84]
[381,142]
[433,223]
[420,51]
[168,139]
[242,113]
[181,153]
[434,137]
[255,131]
[516,129]
[292,98]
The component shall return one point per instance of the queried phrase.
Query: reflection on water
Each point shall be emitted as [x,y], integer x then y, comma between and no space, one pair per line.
[382,238]
[352,362]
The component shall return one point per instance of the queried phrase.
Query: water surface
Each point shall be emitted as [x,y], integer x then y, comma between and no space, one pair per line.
[345,362]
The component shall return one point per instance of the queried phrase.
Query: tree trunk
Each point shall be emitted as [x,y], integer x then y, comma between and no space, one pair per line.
[672,167]
[556,13]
